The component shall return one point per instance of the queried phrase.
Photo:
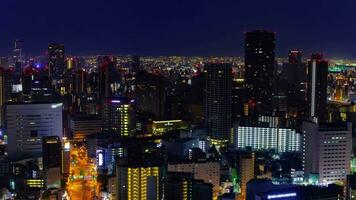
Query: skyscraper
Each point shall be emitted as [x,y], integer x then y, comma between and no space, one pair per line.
[294,74]
[56,61]
[317,87]
[17,56]
[217,99]
[259,69]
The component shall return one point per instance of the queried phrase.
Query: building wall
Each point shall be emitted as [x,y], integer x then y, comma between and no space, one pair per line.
[209,172]
[327,151]
[266,138]
[26,124]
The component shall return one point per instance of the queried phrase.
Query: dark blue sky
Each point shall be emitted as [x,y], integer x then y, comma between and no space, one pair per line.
[177,27]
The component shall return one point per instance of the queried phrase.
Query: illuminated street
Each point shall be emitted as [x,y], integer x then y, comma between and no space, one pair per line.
[82,182]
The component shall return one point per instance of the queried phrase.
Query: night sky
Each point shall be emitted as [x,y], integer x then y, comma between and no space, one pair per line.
[177,27]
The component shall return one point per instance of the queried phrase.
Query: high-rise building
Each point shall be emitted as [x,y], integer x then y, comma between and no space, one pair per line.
[56,60]
[259,69]
[17,56]
[51,151]
[217,99]
[295,75]
[119,116]
[138,182]
[27,123]
[209,172]
[317,87]
[246,170]
[327,151]
[183,186]
[109,78]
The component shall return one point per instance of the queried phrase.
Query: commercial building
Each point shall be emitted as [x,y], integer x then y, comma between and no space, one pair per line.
[209,172]
[259,69]
[119,116]
[327,151]
[138,182]
[267,138]
[183,186]
[81,126]
[27,124]
[317,87]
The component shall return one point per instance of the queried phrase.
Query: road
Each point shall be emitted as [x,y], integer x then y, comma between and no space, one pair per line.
[82,183]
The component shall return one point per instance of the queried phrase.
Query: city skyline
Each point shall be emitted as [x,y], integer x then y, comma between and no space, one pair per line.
[176,28]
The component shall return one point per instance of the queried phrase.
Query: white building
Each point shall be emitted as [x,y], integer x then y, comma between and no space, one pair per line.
[27,123]
[267,138]
[327,151]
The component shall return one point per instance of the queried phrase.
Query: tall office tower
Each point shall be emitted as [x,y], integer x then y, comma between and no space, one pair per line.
[138,181]
[56,61]
[109,78]
[246,169]
[217,80]
[80,82]
[119,116]
[209,172]
[317,87]
[259,69]
[183,186]
[150,93]
[294,73]
[135,63]
[327,151]
[26,125]
[51,152]
[17,56]
[238,95]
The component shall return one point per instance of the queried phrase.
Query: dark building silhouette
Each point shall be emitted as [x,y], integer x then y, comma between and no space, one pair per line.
[51,151]
[56,61]
[183,186]
[259,69]
[217,80]
[294,76]
[317,87]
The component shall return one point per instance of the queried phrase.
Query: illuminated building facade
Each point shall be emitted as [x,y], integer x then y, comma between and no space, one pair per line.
[217,80]
[161,127]
[259,69]
[26,125]
[267,138]
[119,116]
[138,182]
[327,151]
